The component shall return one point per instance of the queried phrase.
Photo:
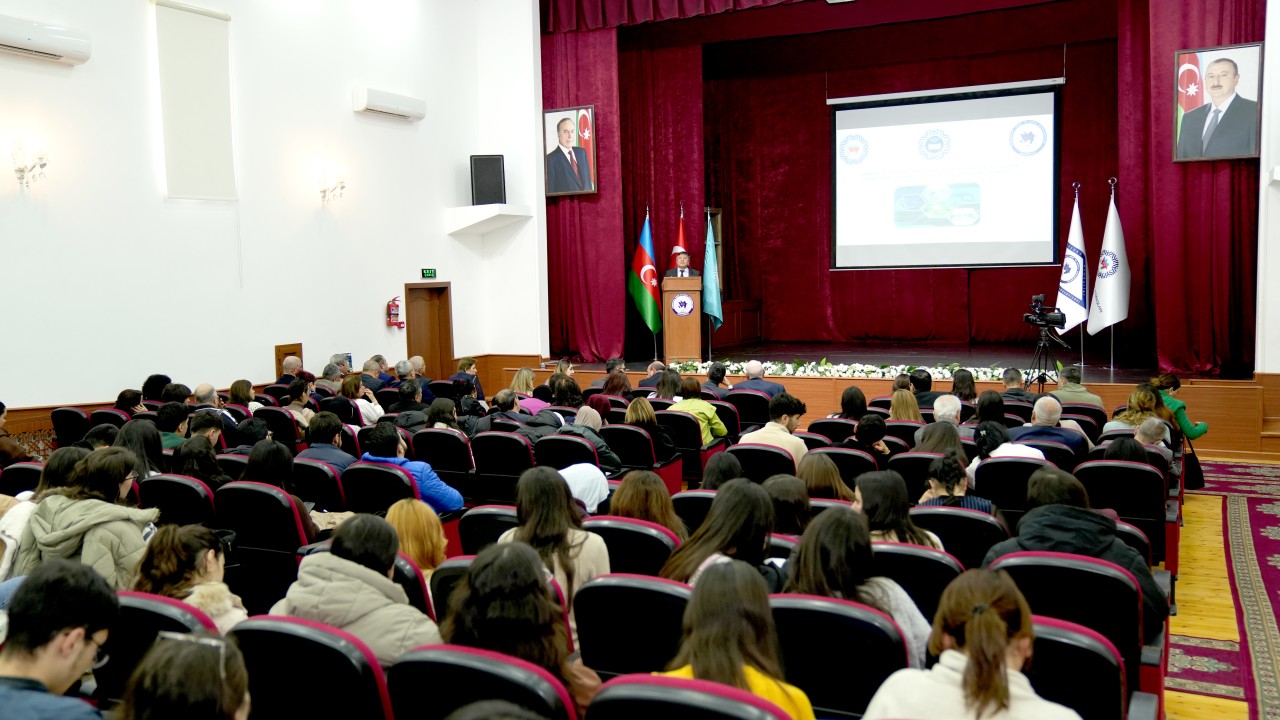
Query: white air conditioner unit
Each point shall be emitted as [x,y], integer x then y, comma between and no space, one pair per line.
[47,42]
[385,103]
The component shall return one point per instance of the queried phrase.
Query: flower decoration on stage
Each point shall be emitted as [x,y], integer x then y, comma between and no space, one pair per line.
[853,371]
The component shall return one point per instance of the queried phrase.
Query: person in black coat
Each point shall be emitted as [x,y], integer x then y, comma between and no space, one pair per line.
[1061,521]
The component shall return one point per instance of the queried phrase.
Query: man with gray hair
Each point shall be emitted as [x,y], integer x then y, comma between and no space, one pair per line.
[1013,387]
[655,371]
[754,370]
[207,400]
[1071,391]
[1153,433]
[404,371]
[383,367]
[369,375]
[331,378]
[340,359]
[419,367]
[946,408]
[1044,426]
[290,367]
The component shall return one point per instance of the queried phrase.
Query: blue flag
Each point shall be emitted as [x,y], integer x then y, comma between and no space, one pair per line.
[711,281]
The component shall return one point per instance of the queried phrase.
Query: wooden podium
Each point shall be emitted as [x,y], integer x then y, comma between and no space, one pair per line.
[682,318]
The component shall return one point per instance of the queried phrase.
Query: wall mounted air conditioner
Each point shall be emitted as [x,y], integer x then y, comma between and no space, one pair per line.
[39,40]
[385,103]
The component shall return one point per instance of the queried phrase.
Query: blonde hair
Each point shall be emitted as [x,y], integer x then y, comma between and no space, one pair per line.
[903,406]
[523,381]
[640,411]
[421,534]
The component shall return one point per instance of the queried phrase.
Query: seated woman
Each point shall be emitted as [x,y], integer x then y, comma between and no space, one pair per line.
[522,385]
[992,439]
[791,509]
[948,483]
[882,497]
[729,638]
[901,381]
[962,385]
[1142,405]
[130,401]
[834,560]
[643,496]
[142,439]
[822,478]
[422,537]
[355,391]
[241,393]
[586,425]
[443,414]
[1127,449]
[188,676]
[505,605]
[186,563]
[271,462]
[983,636]
[640,413]
[853,404]
[10,451]
[86,521]
[720,469]
[869,438]
[710,423]
[737,527]
[565,391]
[617,384]
[990,408]
[1167,386]
[195,458]
[903,406]
[940,437]
[13,524]
[670,387]
[549,522]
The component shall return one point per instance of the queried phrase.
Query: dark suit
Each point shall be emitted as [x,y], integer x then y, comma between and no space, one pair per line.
[1078,443]
[560,176]
[925,398]
[285,379]
[692,273]
[761,385]
[1236,134]
[712,387]
[651,381]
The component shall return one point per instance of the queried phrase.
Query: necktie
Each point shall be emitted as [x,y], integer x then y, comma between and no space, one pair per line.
[1213,125]
[573,162]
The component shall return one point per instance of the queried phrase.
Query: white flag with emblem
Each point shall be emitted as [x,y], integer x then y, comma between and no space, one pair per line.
[1073,286]
[1111,287]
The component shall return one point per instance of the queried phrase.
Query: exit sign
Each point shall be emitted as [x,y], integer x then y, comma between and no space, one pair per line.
[428,273]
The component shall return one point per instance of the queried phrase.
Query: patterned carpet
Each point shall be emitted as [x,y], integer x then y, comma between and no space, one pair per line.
[1245,670]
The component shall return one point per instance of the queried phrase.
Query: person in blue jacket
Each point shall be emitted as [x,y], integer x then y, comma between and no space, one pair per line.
[386,446]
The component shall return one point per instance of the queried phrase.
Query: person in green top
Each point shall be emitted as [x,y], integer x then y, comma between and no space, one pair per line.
[711,424]
[171,419]
[1168,385]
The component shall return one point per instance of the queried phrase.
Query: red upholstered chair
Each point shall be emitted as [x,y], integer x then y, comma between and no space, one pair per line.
[373,487]
[966,534]
[283,426]
[728,415]
[1003,481]
[181,500]
[1096,413]
[471,675]
[239,413]
[269,531]
[1068,656]
[152,404]
[481,526]
[500,459]
[753,406]
[69,425]
[1091,429]
[644,697]
[921,571]
[635,546]
[1055,452]
[818,505]
[108,416]
[20,477]
[914,469]
[692,506]
[904,430]
[1021,409]
[232,465]
[142,617]
[387,397]
[1114,434]
[565,411]
[883,402]
[781,546]
[299,668]
[851,463]
[837,430]
[561,451]
[686,433]
[634,447]
[267,400]
[761,462]
[650,637]
[449,454]
[839,684]
[279,393]
[445,578]
[661,403]
[812,441]
[346,410]
[320,483]
[1137,492]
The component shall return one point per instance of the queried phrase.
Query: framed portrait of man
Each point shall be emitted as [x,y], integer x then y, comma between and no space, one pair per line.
[570,147]
[1217,101]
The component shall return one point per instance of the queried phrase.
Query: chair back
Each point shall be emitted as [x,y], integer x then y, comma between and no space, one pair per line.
[1136,491]
[471,675]
[644,697]
[923,572]
[181,500]
[232,465]
[914,469]
[1107,436]
[346,410]
[782,546]
[633,445]
[851,463]
[661,403]
[449,454]
[568,413]
[839,685]
[966,534]
[1096,413]
[266,400]
[444,579]
[1068,657]
[1022,410]
[728,415]
[904,430]
[269,531]
[108,416]
[283,425]
[1133,537]
[373,487]
[500,459]
[20,477]
[69,425]
[1003,481]
[686,433]
[279,393]
[284,655]
[1091,429]
[481,526]
[692,506]
[761,462]
[753,406]
[817,505]
[837,430]
[320,483]
[442,389]
[882,402]
[142,617]
[650,637]
[1055,452]
[387,397]
[812,441]
[561,451]
[635,546]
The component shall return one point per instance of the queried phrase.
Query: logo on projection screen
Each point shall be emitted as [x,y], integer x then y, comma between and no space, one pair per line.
[1028,137]
[853,149]
[682,304]
[934,145]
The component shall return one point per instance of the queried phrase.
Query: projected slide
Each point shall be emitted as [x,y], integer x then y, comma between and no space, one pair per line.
[946,183]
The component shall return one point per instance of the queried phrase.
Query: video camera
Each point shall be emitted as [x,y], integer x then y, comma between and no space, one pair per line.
[1044,317]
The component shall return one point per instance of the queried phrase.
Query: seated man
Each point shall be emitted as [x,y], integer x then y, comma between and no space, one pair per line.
[946,408]
[290,367]
[206,400]
[754,370]
[507,407]
[58,622]
[922,385]
[324,435]
[655,370]
[869,438]
[175,392]
[1060,521]
[350,588]
[1013,388]
[299,394]
[1152,433]
[171,421]
[369,375]
[1071,391]
[403,371]
[386,446]
[784,417]
[207,424]
[419,369]
[611,366]
[331,378]
[412,397]
[715,380]
[383,367]
[249,433]
[1044,426]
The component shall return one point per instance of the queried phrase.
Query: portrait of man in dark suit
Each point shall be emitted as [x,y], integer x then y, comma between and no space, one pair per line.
[1224,127]
[568,165]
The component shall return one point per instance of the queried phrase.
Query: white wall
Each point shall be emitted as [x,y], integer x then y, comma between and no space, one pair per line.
[104,280]
[1268,339]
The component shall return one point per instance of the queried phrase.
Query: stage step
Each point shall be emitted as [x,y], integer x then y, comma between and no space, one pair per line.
[1271,427]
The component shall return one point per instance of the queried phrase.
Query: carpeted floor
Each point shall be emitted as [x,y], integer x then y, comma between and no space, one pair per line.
[1215,661]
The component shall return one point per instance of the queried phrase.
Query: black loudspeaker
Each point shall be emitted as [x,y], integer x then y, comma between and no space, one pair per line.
[488,180]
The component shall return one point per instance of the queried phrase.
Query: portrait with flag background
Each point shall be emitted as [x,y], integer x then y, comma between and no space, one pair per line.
[569,140]
[1217,102]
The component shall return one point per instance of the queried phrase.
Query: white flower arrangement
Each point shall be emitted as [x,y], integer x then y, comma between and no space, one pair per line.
[853,371]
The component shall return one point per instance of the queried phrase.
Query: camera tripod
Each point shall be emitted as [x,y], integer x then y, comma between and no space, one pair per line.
[1043,362]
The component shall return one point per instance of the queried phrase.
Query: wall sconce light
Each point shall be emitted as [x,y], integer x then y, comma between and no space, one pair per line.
[332,189]
[28,167]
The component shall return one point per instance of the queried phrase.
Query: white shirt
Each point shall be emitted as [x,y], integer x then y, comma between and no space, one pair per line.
[938,694]
[1222,111]
[1008,449]
[586,483]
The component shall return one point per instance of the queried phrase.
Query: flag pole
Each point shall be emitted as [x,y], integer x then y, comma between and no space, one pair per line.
[1112,182]
[1076,185]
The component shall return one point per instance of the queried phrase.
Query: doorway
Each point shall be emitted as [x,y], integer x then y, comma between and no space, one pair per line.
[429,326]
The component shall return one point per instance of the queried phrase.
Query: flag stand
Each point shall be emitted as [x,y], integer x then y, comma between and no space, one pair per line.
[655,347]
[1113,349]
[1082,344]
[709,331]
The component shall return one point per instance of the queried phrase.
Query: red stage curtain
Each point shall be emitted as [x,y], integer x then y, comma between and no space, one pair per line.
[585,256]
[1200,220]
[567,15]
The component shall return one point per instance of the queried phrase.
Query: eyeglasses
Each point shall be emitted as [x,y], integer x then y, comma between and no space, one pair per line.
[220,644]
[100,658]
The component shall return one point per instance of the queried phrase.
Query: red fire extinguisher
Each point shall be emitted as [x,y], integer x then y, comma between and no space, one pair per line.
[393,313]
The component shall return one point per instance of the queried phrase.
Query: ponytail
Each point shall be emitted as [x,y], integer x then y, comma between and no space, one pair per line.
[948,471]
[986,684]
[173,560]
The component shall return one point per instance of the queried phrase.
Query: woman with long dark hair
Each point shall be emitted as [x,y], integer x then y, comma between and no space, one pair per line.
[643,496]
[271,462]
[720,469]
[737,527]
[822,478]
[195,458]
[730,638]
[949,484]
[791,508]
[962,385]
[141,438]
[853,404]
[990,408]
[187,563]
[882,497]
[549,522]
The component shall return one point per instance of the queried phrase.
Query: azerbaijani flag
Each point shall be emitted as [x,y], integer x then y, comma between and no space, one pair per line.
[586,141]
[1190,88]
[642,282]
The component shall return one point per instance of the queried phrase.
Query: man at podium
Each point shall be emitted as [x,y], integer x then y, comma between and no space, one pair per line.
[682,268]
